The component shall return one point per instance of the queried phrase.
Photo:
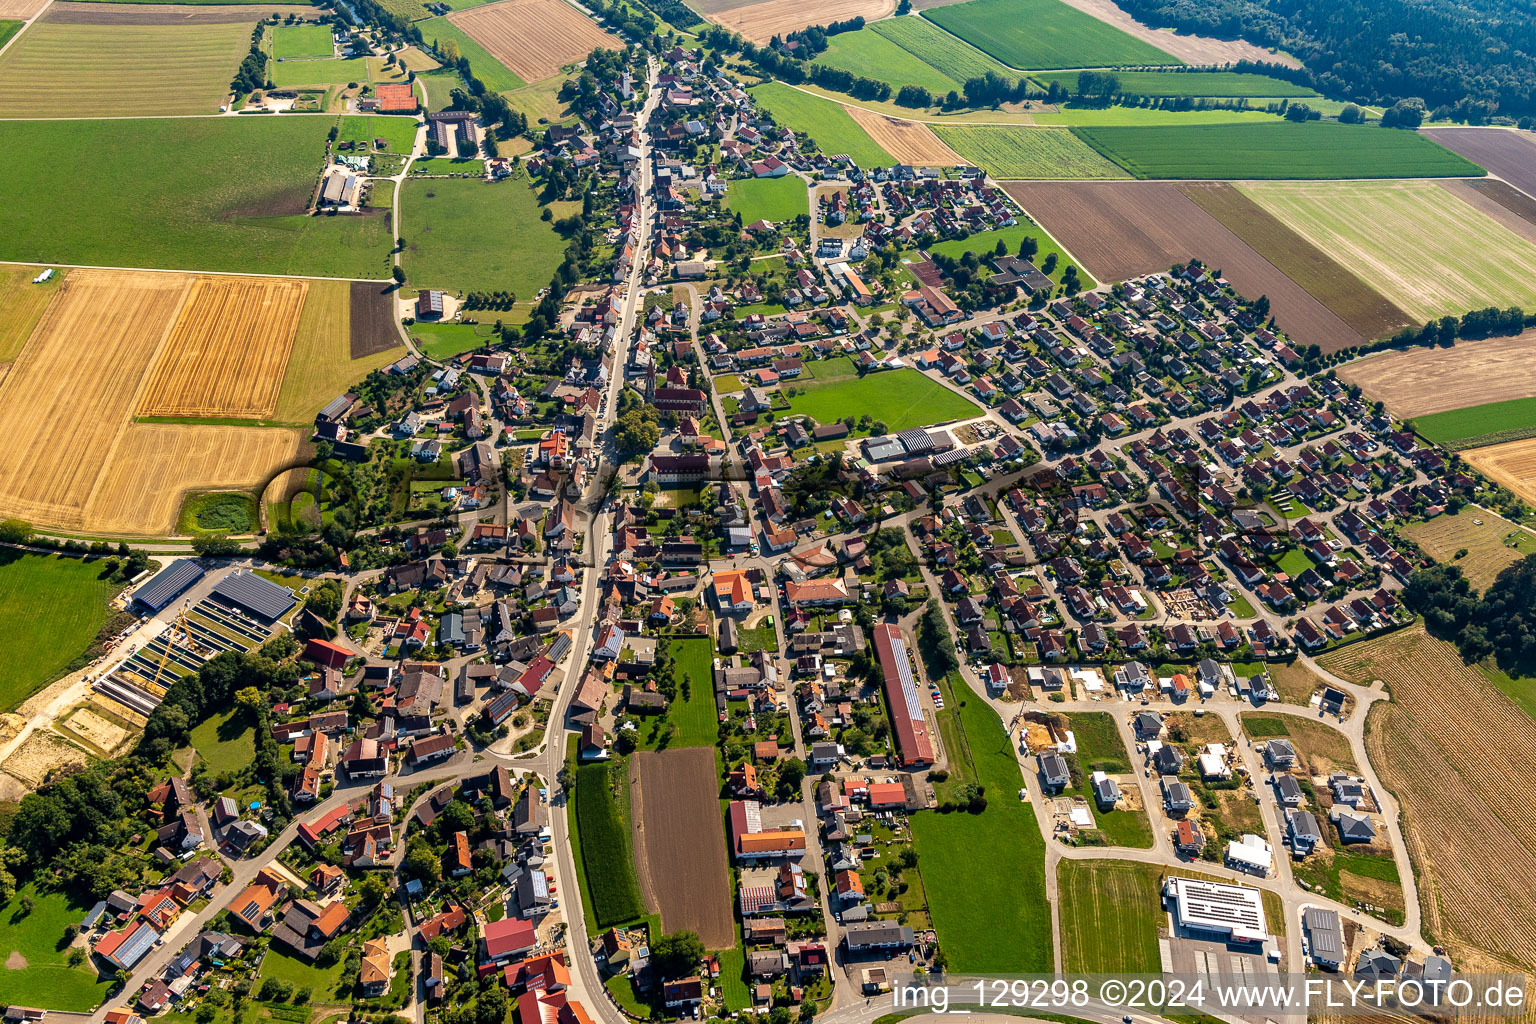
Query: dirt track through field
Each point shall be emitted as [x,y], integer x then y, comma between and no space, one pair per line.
[535,38]
[1120,230]
[68,12]
[229,350]
[760,22]
[1503,151]
[69,395]
[680,852]
[908,141]
[1420,381]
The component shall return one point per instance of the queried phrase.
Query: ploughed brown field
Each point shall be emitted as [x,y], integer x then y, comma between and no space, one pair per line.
[680,852]
[1420,381]
[761,21]
[68,12]
[229,350]
[535,38]
[910,142]
[1503,151]
[1120,230]
[373,328]
[1499,200]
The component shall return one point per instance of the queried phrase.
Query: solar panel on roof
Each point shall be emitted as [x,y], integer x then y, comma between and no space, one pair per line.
[168,583]
[260,597]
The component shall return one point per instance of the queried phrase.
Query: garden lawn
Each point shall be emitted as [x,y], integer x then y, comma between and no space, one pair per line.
[444,341]
[53,608]
[216,194]
[1279,149]
[823,120]
[600,831]
[695,716]
[47,981]
[328,984]
[1110,912]
[1015,151]
[772,199]
[457,237]
[899,398]
[1045,34]
[302,41]
[1009,932]
[1099,746]
[984,244]
[398,133]
[226,742]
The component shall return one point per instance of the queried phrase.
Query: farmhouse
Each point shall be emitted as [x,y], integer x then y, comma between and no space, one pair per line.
[750,841]
[913,744]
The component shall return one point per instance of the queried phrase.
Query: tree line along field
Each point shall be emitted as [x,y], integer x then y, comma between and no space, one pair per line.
[215,194]
[455,232]
[772,199]
[823,120]
[72,69]
[55,607]
[495,75]
[1426,250]
[763,20]
[1214,84]
[1045,35]
[1008,151]
[1447,746]
[1277,149]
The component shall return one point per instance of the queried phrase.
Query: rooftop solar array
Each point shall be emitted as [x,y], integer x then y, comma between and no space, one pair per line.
[168,583]
[261,598]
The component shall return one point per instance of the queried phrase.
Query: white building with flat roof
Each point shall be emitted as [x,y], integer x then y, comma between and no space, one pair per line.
[1250,853]
[1217,910]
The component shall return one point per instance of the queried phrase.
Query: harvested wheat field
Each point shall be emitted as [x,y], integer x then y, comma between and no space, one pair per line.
[910,142]
[21,306]
[1120,230]
[1190,49]
[229,349]
[20,10]
[679,846]
[70,12]
[59,422]
[535,38]
[1478,533]
[1456,753]
[155,464]
[760,22]
[1512,464]
[1420,381]
[325,360]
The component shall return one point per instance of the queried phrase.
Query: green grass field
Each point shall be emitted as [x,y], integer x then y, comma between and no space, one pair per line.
[606,855]
[1110,913]
[1045,34]
[872,55]
[1448,428]
[456,236]
[65,70]
[1419,245]
[493,74]
[899,398]
[301,41]
[226,742]
[209,194]
[774,199]
[1099,746]
[953,58]
[984,244]
[47,980]
[1009,932]
[398,133]
[287,74]
[695,715]
[1280,149]
[823,120]
[53,608]
[328,984]
[444,341]
[8,28]
[1074,116]
[1216,84]
[1010,151]
[218,512]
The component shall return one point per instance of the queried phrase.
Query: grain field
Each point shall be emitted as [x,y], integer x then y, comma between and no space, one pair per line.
[228,352]
[1456,753]
[534,38]
[21,306]
[1420,381]
[1512,464]
[67,398]
[20,10]
[910,142]
[760,22]
[321,365]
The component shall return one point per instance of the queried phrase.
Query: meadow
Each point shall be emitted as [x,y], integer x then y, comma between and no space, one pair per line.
[1216,84]
[1422,247]
[444,341]
[1010,931]
[1006,151]
[952,57]
[290,41]
[1044,34]
[984,244]
[900,399]
[601,832]
[773,199]
[493,74]
[53,608]
[1074,115]
[1278,149]
[1099,745]
[870,54]
[1110,913]
[47,980]
[398,133]
[823,120]
[225,742]
[8,28]
[456,236]
[76,70]
[1452,429]
[287,74]
[214,194]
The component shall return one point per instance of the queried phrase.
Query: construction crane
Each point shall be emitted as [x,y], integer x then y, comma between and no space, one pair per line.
[165,656]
